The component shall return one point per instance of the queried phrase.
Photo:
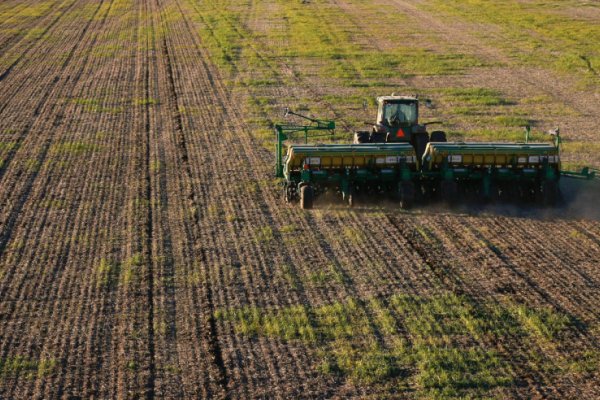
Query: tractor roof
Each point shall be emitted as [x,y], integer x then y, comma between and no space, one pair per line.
[391,98]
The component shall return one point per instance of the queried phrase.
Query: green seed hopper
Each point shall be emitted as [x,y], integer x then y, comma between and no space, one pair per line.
[415,166]
[492,169]
[347,169]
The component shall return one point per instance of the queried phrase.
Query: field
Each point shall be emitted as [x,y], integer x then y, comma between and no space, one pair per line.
[145,250]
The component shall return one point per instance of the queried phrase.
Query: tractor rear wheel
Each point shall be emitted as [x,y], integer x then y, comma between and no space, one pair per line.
[406,195]
[378,137]
[438,136]
[306,197]
[420,141]
[361,137]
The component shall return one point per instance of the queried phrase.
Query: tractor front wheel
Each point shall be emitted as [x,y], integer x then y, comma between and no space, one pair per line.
[307,194]
[289,193]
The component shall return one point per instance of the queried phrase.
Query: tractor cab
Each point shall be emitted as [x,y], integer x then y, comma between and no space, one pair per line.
[397,117]
[398,121]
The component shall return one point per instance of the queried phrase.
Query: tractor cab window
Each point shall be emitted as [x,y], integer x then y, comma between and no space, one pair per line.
[400,113]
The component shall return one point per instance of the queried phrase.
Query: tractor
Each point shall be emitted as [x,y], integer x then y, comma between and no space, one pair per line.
[399,158]
[398,121]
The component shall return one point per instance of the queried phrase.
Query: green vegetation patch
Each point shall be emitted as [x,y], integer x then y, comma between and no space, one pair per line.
[110,273]
[442,346]
[95,105]
[474,96]
[23,366]
[7,147]
[132,269]
[75,147]
[34,10]
[222,32]
[535,32]
[145,102]
[311,41]
[107,273]
[543,322]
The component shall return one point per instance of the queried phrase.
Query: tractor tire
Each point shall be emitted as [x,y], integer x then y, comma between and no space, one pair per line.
[361,137]
[406,195]
[438,136]
[378,137]
[449,192]
[307,194]
[550,193]
[288,193]
[420,141]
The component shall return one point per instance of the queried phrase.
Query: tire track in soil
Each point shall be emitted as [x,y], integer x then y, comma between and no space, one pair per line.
[134,349]
[9,222]
[250,163]
[248,153]
[210,334]
[181,141]
[165,305]
[150,219]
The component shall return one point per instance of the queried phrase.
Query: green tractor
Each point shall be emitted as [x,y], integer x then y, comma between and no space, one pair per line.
[400,159]
[398,122]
